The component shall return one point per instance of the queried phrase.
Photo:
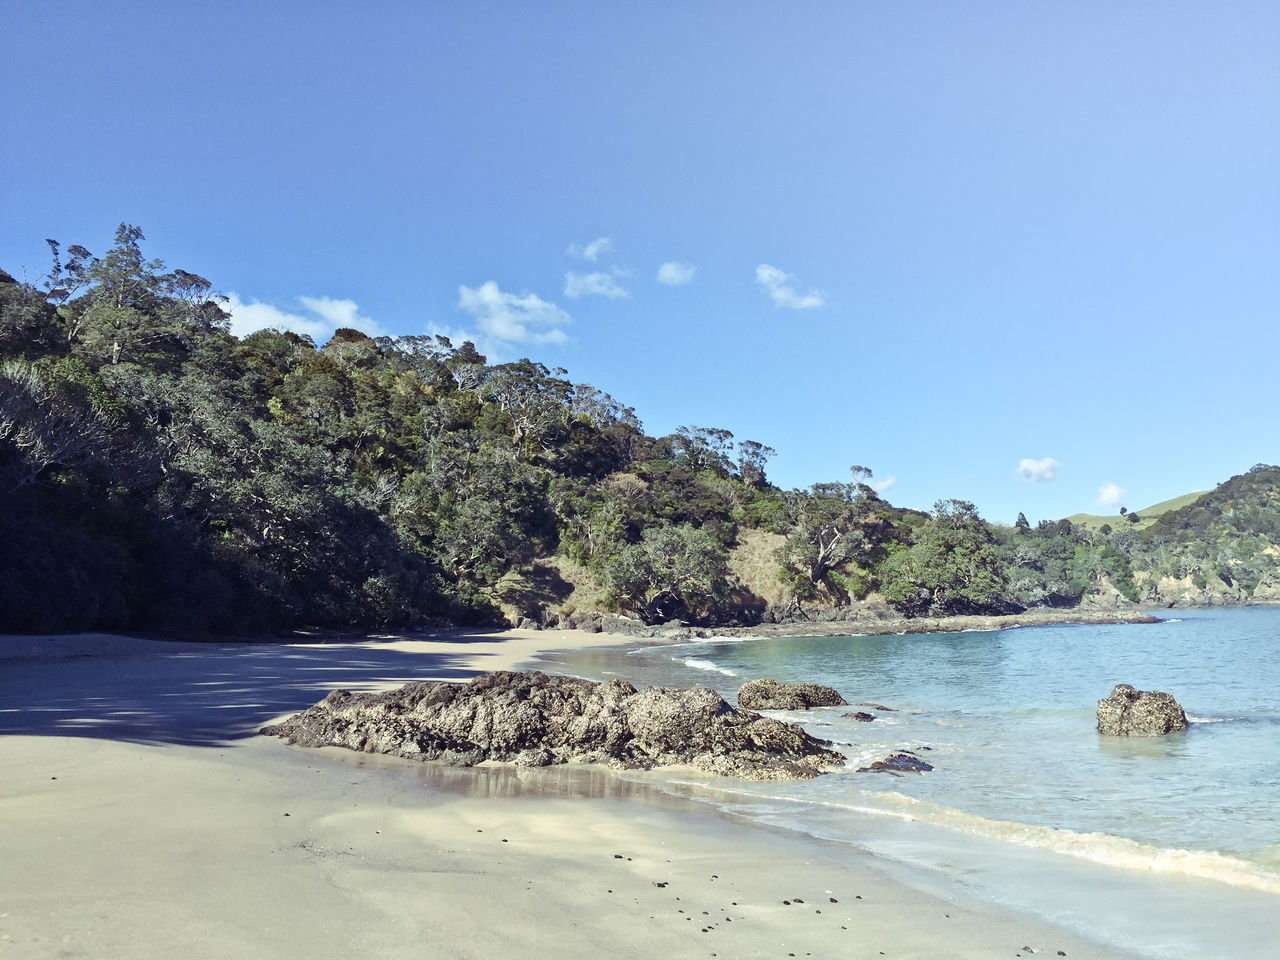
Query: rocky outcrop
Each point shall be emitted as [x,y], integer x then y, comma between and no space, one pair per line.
[1168,591]
[768,694]
[860,715]
[1128,712]
[533,719]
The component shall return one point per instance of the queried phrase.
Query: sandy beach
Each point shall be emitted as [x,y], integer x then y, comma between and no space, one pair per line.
[142,816]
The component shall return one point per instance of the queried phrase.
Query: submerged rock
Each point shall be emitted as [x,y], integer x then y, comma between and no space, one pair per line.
[769,694]
[860,715]
[1129,712]
[533,719]
[898,763]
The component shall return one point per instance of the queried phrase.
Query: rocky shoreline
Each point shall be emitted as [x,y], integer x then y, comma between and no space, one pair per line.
[866,622]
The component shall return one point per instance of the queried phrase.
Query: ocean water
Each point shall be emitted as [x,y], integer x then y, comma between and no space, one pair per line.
[1169,847]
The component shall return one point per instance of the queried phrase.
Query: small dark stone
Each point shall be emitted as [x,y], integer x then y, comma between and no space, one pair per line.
[833,900]
[861,716]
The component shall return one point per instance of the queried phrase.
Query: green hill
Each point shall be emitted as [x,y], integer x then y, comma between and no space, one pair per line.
[1148,515]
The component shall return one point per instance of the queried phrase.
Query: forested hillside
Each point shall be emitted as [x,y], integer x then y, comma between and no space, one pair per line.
[158,473]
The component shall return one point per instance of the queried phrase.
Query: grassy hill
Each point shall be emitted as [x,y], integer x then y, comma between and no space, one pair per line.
[1148,515]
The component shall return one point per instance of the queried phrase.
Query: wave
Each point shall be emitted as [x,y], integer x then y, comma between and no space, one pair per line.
[1100,848]
[698,664]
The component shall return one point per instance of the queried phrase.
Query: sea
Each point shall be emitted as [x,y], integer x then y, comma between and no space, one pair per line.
[1166,847]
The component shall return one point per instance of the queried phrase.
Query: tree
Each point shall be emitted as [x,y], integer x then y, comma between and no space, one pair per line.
[532,399]
[672,571]
[951,568]
[752,457]
[831,524]
[43,428]
[703,448]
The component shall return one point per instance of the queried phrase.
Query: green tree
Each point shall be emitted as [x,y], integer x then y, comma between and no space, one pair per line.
[951,568]
[673,571]
[830,525]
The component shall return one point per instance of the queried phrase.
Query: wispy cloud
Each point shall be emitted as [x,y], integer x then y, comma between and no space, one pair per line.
[590,251]
[676,274]
[883,486]
[782,290]
[1038,471]
[320,317]
[592,284]
[506,319]
[1111,495]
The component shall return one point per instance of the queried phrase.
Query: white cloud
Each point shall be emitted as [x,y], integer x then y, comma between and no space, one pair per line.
[1110,495]
[342,313]
[782,290]
[247,318]
[676,274]
[503,319]
[1038,471]
[590,251]
[592,284]
[881,486]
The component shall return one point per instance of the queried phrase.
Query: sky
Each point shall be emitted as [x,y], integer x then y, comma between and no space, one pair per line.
[1026,255]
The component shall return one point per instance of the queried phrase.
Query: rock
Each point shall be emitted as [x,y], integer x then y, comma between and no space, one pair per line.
[898,763]
[860,715]
[769,694]
[532,719]
[1127,712]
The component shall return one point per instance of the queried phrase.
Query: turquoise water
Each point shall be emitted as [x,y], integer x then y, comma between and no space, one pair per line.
[1158,845]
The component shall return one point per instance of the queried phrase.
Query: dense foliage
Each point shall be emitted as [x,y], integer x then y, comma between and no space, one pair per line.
[158,473]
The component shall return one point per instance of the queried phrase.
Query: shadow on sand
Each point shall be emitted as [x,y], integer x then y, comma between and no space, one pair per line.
[199,694]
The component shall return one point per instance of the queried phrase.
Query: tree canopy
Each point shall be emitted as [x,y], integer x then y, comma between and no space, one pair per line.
[159,473]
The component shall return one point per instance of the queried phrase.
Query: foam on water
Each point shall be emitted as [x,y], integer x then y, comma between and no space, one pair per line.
[698,664]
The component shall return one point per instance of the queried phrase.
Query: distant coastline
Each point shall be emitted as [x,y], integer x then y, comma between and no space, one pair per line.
[951,624]
[877,625]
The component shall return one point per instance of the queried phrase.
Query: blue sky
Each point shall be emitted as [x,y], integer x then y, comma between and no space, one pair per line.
[1022,254]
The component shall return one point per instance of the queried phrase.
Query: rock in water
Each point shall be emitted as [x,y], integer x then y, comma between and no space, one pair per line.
[769,694]
[899,763]
[533,719]
[1128,712]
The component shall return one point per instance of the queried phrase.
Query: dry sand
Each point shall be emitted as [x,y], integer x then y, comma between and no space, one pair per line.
[141,816]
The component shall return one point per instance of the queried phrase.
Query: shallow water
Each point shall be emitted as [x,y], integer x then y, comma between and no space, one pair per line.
[1159,844]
